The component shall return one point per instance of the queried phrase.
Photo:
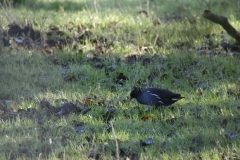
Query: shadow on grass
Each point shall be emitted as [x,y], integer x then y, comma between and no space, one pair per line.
[75,6]
[53,6]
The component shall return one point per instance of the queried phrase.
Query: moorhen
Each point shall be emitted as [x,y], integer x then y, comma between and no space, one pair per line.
[155,97]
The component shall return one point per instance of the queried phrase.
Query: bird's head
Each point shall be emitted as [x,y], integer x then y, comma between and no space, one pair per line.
[134,93]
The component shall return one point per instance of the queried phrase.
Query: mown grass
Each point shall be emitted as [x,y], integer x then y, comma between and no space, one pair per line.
[200,126]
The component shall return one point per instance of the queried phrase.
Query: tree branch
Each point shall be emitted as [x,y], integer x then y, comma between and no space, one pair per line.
[223,21]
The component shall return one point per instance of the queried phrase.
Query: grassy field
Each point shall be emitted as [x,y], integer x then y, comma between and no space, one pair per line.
[116,46]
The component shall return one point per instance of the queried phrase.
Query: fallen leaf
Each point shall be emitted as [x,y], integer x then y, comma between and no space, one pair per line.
[45,104]
[94,154]
[85,110]
[197,140]
[79,29]
[146,117]
[224,155]
[53,28]
[111,68]
[121,78]
[224,123]
[99,49]
[77,123]
[41,137]
[41,120]
[146,142]
[217,109]
[171,120]
[231,135]
[67,108]
[132,156]
[3,106]
[234,136]
[79,129]
[111,110]
[19,40]
[89,138]
[101,103]
[88,102]
[108,116]
[163,144]
[83,77]
[14,106]
[60,33]
[25,152]
[48,50]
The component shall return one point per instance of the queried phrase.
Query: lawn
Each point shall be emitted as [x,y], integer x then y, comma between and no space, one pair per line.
[91,54]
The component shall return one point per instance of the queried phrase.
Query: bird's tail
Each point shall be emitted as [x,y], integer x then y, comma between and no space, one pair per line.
[177,98]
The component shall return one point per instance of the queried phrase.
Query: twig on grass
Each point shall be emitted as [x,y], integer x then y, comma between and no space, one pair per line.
[114,134]
[95,6]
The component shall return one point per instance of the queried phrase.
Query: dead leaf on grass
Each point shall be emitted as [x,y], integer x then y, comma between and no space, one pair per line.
[15,106]
[94,154]
[9,116]
[153,75]
[147,142]
[79,129]
[85,110]
[224,123]
[46,105]
[99,49]
[65,139]
[88,101]
[25,152]
[197,140]
[79,29]
[121,78]
[229,135]
[112,67]
[101,103]
[62,154]
[67,108]
[163,144]
[131,59]
[41,137]
[3,106]
[146,117]
[216,109]
[49,50]
[109,114]
[171,120]
[133,156]
[143,12]
[110,110]
[53,28]
[83,77]
[41,120]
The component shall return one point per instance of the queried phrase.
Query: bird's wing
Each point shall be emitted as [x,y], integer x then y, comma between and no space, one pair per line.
[163,93]
[153,97]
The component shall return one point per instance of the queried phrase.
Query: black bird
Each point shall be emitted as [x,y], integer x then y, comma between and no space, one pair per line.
[155,97]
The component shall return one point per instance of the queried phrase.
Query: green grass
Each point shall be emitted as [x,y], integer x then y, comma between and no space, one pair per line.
[193,129]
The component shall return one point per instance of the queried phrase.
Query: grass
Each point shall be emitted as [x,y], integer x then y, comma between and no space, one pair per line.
[201,126]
